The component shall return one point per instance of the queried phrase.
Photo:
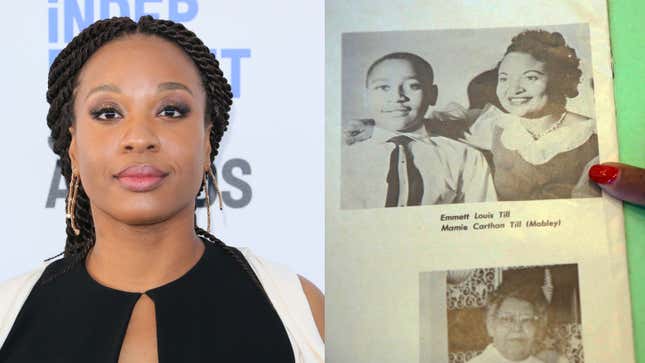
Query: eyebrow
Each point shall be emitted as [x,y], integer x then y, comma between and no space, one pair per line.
[378,80]
[104,88]
[166,86]
[169,86]
[525,72]
[387,79]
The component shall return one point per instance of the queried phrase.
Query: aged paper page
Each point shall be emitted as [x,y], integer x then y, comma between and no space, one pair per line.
[457,142]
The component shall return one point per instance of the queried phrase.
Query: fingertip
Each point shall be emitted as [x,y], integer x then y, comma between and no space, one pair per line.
[621,181]
[604,174]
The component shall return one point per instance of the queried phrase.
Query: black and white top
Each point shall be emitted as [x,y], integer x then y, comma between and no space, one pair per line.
[214,312]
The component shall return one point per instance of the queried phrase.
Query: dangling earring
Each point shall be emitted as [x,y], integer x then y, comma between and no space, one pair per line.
[219,193]
[208,202]
[71,201]
[207,196]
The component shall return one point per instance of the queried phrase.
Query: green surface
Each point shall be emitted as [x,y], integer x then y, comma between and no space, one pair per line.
[628,41]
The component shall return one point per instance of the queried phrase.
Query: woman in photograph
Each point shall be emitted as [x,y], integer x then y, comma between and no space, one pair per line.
[137,112]
[536,148]
[539,149]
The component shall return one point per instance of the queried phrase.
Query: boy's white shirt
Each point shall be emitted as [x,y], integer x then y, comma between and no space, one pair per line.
[451,170]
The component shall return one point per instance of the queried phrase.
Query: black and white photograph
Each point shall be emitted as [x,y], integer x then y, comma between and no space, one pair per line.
[528,314]
[466,115]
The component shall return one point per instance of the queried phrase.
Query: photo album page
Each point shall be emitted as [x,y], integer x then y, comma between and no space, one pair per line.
[461,225]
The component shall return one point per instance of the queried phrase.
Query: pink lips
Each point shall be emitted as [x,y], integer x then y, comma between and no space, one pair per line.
[140,178]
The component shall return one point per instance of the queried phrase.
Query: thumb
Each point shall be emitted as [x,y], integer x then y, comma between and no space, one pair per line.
[622,181]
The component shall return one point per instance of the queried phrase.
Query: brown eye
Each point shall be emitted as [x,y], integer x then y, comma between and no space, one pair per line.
[173,112]
[106,113]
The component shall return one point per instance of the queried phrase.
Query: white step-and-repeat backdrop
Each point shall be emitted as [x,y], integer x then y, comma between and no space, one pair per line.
[271,159]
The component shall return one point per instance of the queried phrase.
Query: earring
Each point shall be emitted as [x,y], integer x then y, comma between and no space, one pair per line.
[207,195]
[71,201]
[208,202]
[219,193]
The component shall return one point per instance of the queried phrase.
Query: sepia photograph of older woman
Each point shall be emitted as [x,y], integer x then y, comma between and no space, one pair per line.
[515,322]
[137,110]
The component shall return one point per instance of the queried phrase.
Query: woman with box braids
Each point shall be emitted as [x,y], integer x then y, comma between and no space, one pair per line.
[62,81]
[137,113]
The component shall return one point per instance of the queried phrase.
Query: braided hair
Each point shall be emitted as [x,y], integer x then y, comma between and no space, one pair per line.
[63,79]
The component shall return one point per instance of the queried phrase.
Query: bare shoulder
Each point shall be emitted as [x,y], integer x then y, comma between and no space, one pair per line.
[316,300]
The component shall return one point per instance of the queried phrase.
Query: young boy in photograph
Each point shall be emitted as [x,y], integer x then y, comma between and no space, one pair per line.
[402,164]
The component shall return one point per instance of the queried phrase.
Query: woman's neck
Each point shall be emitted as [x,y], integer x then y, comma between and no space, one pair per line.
[139,258]
[539,126]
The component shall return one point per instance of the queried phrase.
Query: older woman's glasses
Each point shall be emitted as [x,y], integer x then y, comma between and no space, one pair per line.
[512,320]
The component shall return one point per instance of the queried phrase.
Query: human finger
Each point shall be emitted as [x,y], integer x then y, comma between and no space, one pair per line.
[622,181]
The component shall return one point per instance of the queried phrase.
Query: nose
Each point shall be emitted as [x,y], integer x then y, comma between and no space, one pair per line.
[516,325]
[139,136]
[402,97]
[515,87]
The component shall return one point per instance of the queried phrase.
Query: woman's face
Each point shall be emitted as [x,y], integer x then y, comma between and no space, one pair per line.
[522,85]
[513,329]
[396,99]
[139,140]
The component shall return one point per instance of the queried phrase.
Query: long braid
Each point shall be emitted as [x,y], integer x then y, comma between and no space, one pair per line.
[231,251]
[63,78]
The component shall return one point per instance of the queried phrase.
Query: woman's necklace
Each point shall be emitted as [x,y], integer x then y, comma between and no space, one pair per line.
[553,127]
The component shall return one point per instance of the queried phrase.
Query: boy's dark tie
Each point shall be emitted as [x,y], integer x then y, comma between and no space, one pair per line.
[415,191]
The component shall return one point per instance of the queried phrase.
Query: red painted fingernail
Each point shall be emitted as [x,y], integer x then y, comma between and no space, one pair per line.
[603,174]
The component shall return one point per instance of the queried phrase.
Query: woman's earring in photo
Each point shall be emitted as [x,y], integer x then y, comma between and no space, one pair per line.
[208,202]
[219,193]
[71,201]
[207,197]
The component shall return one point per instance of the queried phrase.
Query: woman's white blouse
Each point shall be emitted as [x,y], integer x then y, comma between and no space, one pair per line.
[514,136]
